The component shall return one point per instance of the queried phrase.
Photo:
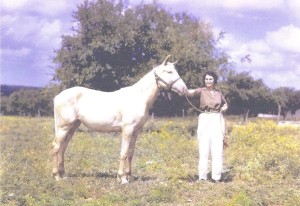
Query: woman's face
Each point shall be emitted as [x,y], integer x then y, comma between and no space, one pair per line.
[209,81]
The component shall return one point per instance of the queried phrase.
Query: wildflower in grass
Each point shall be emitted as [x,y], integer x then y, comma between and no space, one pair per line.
[261,151]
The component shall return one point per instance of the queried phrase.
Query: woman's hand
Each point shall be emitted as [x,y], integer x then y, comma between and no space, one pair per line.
[224,108]
[190,93]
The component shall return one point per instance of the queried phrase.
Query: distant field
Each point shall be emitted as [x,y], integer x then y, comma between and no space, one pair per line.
[262,166]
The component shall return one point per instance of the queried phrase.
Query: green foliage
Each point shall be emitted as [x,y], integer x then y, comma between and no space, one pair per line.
[287,99]
[244,93]
[283,96]
[114,45]
[30,102]
[261,166]
[27,102]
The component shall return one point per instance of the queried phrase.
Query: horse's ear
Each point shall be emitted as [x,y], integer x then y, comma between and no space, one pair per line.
[175,62]
[166,60]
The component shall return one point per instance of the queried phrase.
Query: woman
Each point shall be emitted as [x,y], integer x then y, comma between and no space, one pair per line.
[211,126]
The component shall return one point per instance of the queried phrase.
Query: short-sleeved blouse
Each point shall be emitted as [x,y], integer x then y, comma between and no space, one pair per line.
[209,101]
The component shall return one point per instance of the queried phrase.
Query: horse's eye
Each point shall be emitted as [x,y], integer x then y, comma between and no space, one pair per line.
[169,72]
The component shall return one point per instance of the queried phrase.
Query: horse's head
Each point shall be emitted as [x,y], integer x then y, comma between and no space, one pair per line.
[168,78]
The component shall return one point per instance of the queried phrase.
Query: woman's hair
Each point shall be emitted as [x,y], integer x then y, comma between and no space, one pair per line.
[210,73]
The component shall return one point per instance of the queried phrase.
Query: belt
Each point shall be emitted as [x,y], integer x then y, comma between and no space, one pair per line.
[210,111]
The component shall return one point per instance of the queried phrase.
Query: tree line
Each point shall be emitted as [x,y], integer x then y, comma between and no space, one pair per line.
[113,45]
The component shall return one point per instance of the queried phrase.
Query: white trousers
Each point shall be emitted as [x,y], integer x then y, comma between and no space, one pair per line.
[210,133]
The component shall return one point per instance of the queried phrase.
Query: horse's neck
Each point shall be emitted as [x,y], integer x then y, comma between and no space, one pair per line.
[147,89]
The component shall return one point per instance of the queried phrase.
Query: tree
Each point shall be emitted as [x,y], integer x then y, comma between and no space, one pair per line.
[114,45]
[246,95]
[4,104]
[286,99]
[295,102]
[27,102]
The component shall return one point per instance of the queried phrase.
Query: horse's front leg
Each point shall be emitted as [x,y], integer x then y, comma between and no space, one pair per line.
[130,156]
[124,156]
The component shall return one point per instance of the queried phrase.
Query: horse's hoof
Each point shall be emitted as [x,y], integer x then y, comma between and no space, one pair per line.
[57,177]
[124,181]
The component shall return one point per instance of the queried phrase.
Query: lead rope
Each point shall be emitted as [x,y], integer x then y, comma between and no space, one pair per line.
[192,104]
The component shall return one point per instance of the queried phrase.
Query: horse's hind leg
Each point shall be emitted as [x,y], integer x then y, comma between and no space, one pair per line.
[63,147]
[60,135]
[63,135]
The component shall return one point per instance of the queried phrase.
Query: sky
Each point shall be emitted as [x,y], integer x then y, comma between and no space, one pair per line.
[268,31]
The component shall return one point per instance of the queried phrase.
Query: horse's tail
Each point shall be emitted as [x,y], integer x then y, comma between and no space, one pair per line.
[56,118]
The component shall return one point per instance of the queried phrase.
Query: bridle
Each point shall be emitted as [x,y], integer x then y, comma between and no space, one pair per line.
[169,85]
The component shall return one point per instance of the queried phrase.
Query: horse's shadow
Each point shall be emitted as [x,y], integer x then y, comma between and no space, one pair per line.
[108,175]
[227,176]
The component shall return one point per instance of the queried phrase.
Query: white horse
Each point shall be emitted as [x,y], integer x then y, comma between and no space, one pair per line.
[125,110]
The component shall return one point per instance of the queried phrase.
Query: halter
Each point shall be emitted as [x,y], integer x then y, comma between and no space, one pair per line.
[158,78]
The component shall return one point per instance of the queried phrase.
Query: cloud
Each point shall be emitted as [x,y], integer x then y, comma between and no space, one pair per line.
[225,4]
[13,5]
[284,78]
[274,58]
[36,21]
[245,4]
[286,38]
[50,33]
[48,8]
[38,33]
[16,52]
[288,7]
[31,31]
[294,7]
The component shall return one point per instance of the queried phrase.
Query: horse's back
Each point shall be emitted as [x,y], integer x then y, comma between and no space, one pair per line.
[74,94]
[95,109]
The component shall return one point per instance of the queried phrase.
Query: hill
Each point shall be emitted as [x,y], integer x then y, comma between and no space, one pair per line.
[6,90]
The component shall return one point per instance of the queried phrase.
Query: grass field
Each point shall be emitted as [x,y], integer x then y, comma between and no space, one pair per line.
[262,166]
